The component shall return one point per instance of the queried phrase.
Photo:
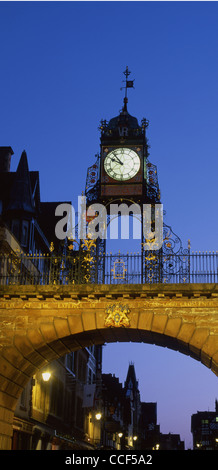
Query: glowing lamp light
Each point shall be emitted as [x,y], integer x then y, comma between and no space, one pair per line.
[120,434]
[98,416]
[135,438]
[46,376]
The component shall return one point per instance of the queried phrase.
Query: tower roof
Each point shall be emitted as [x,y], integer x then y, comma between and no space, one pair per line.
[131,378]
[124,127]
[123,119]
[21,193]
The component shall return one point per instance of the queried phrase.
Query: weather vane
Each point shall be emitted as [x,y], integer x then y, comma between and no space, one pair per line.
[129,84]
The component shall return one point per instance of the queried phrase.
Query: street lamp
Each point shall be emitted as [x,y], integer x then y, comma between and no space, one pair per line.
[135,438]
[120,434]
[98,416]
[46,376]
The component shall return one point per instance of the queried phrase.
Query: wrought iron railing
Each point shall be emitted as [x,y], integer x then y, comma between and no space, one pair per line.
[84,267]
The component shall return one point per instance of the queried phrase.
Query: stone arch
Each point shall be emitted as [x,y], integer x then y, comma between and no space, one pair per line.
[42,323]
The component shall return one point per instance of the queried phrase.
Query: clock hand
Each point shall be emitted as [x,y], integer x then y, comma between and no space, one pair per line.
[117,160]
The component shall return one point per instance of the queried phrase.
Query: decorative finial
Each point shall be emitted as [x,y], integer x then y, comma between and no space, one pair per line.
[129,84]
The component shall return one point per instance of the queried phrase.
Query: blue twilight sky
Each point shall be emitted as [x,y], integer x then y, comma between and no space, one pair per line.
[61,73]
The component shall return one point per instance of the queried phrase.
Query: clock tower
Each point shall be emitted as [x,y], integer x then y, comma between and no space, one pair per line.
[122,173]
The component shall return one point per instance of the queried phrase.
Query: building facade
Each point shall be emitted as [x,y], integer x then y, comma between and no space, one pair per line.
[50,413]
[204,428]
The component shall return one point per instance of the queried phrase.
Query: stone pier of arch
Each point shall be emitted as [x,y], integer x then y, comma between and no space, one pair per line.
[41,323]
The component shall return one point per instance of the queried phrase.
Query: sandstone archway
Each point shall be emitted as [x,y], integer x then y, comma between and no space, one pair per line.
[41,323]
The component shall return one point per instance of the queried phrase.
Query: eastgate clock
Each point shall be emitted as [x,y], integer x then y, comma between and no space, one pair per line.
[122,164]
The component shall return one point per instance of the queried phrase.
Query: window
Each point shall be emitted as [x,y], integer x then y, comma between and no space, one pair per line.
[24,235]
[23,398]
[90,376]
[39,394]
[70,362]
[82,370]
[15,228]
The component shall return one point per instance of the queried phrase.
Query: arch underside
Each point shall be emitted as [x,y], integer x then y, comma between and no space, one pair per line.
[113,335]
[18,373]
[16,369]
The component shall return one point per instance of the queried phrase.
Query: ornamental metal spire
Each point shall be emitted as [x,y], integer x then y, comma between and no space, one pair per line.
[129,84]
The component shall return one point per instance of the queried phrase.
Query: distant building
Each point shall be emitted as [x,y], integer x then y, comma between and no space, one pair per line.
[115,413]
[204,428]
[133,395]
[149,429]
[169,442]
[120,411]
[128,423]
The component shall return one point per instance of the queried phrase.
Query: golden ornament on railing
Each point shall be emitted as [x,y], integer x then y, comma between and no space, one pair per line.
[88,243]
[88,258]
[51,247]
[119,270]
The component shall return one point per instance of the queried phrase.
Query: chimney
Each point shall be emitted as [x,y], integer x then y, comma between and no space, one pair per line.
[5,159]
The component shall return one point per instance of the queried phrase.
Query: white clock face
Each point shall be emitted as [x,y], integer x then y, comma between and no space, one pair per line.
[122,164]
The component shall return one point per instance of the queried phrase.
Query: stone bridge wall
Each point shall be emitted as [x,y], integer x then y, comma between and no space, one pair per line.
[41,323]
